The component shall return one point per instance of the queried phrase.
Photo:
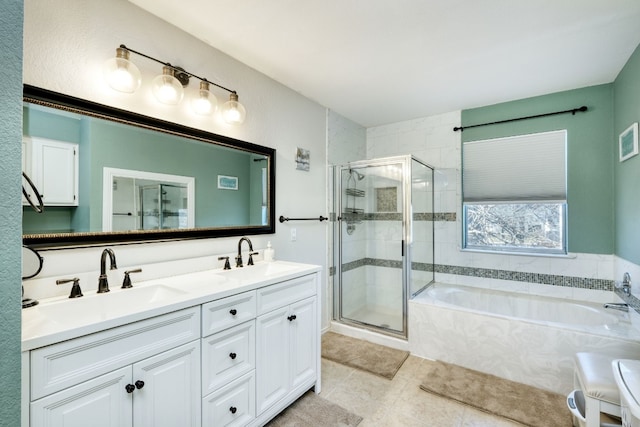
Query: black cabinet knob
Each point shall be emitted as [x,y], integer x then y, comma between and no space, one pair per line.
[232,355]
[292,317]
[233,409]
[233,311]
[130,388]
[139,384]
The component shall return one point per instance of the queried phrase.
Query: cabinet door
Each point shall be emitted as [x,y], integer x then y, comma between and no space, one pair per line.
[168,388]
[55,171]
[303,341]
[272,358]
[100,402]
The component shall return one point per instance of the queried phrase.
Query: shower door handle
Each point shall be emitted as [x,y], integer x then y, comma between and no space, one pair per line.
[402,248]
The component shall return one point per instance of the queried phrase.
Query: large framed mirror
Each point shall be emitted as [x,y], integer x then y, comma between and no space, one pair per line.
[107,175]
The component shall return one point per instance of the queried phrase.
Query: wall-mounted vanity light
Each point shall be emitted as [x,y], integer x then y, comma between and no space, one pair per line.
[122,75]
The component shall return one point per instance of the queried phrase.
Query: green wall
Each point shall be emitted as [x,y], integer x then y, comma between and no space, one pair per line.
[627,174]
[114,145]
[589,155]
[11,19]
[108,144]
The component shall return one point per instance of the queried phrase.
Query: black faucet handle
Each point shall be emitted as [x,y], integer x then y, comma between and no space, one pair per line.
[76,292]
[126,283]
[227,266]
[251,254]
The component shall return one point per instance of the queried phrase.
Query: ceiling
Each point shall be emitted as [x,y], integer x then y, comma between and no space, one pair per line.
[384,61]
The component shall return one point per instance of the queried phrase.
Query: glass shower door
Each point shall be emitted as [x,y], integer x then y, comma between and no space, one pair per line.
[371,237]
[421,239]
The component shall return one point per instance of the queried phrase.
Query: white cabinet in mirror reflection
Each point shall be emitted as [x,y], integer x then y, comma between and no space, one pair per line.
[53,167]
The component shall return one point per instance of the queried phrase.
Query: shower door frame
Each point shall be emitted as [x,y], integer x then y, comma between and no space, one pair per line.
[406,244]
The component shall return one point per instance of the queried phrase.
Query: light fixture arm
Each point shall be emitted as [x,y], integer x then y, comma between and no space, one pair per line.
[178,70]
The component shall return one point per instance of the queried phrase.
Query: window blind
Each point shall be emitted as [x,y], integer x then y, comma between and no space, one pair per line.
[518,168]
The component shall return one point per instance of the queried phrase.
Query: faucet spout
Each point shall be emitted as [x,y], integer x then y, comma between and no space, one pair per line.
[617,306]
[239,257]
[103,283]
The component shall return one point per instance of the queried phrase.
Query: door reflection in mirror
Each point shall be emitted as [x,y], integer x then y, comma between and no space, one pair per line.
[139,200]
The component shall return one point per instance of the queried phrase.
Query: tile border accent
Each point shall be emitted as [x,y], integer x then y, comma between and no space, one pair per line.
[539,278]
[488,273]
[396,216]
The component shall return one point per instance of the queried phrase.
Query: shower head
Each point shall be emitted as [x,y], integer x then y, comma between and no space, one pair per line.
[357,174]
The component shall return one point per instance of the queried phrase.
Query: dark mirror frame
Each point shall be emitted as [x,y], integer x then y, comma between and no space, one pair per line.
[57,100]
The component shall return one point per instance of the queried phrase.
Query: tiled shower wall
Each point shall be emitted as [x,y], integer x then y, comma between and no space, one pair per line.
[433,140]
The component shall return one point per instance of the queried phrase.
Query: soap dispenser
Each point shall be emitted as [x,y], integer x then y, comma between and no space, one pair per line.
[269,253]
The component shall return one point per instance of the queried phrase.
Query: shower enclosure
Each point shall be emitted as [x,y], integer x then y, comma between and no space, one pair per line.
[163,206]
[383,240]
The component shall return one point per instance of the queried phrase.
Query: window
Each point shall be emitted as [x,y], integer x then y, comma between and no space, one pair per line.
[514,193]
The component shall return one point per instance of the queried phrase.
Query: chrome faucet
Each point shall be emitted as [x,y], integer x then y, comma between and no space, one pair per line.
[617,306]
[626,283]
[239,257]
[103,283]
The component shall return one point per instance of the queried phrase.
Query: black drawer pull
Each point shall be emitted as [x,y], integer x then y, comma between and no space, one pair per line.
[233,409]
[232,355]
[233,311]
[130,388]
[292,318]
[139,384]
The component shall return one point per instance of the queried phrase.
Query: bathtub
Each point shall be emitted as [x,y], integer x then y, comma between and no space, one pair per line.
[525,338]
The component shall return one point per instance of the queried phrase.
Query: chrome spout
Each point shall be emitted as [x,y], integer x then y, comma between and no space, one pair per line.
[617,306]
[103,283]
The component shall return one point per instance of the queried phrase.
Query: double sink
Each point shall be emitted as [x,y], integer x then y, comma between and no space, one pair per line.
[64,318]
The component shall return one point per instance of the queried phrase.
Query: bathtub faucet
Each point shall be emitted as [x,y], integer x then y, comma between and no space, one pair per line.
[617,306]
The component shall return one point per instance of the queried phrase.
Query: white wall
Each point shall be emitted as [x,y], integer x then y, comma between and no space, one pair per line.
[65,45]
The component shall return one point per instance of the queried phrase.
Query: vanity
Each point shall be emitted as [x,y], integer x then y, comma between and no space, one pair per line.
[210,348]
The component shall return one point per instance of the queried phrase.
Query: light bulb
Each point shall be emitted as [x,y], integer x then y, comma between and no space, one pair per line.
[232,111]
[206,102]
[120,73]
[166,88]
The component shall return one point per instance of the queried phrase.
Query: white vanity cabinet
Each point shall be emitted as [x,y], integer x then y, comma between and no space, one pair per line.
[263,352]
[53,167]
[219,358]
[287,334]
[142,374]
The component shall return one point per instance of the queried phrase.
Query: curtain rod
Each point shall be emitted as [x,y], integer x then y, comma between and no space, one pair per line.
[572,111]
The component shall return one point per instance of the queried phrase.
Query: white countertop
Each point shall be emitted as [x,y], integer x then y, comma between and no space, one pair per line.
[60,318]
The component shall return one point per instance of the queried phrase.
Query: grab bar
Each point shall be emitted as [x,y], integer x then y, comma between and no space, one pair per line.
[320,218]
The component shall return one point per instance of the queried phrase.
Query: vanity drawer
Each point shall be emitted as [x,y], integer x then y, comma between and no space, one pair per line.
[227,312]
[285,293]
[228,355]
[67,363]
[233,405]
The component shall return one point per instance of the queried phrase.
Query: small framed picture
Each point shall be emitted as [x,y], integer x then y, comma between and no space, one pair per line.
[227,182]
[303,159]
[628,141]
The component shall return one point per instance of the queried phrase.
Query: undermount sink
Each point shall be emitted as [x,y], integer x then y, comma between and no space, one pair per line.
[261,270]
[108,305]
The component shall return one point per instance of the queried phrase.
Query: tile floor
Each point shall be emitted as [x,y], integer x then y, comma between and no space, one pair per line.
[399,402]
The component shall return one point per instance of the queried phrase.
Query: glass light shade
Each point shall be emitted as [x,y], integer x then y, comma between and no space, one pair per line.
[206,102]
[232,111]
[121,74]
[166,88]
